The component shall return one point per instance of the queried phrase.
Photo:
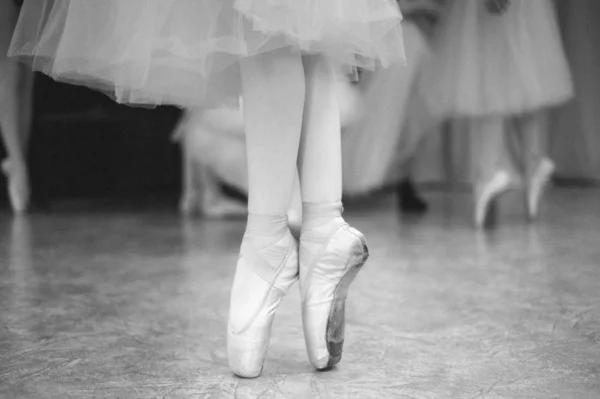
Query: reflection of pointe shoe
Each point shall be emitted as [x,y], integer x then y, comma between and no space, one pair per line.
[537,183]
[487,193]
[18,186]
[329,264]
[261,281]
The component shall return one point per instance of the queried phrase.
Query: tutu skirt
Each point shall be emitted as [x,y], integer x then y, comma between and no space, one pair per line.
[187,52]
[486,64]
[381,120]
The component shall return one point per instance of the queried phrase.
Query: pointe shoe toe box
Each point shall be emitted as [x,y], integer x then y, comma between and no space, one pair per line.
[246,355]
[258,287]
[324,296]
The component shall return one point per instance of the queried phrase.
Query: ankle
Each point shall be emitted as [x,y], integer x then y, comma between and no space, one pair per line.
[317,215]
[264,230]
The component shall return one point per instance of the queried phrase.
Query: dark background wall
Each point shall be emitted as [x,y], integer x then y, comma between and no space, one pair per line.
[85,146]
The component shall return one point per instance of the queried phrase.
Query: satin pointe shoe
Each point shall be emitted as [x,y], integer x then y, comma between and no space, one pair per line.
[330,259]
[261,281]
[18,186]
[487,193]
[537,184]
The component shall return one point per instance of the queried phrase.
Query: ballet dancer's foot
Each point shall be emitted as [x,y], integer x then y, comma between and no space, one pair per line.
[487,193]
[331,255]
[537,183]
[225,207]
[208,198]
[409,200]
[267,267]
[18,185]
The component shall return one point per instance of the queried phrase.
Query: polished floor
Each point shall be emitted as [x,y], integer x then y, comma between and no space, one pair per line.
[126,303]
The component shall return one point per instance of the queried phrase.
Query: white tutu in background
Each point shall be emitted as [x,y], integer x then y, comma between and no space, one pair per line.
[391,124]
[486,64]
[186,52]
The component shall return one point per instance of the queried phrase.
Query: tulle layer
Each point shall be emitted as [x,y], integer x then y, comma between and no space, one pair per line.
[186,52]
[489,64]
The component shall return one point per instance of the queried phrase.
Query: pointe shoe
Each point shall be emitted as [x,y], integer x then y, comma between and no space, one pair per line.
[18,186]
[324,287]
[258,288]
[487,193]
[537,183]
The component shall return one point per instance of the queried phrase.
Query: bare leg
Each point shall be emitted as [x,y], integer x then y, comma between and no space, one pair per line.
[11,127]
[532,129]
[331,252]
[26,82]
[494,165]
[273,89]
[190,198]
[295,211]
[537,166]
[490,148]
[320,161]
[273,108]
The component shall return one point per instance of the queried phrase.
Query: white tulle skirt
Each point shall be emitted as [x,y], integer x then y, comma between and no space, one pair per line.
[487,64]
[186,52]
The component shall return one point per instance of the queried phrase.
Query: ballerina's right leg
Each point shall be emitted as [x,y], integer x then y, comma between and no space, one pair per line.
[14,128]
[273,90]
[537,165]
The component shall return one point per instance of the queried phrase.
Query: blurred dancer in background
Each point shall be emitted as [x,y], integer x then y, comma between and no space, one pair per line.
[501,64]
[425,14]
[380,146]
[376,146]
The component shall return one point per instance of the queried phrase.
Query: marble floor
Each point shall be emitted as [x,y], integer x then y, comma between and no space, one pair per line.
[132,303]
